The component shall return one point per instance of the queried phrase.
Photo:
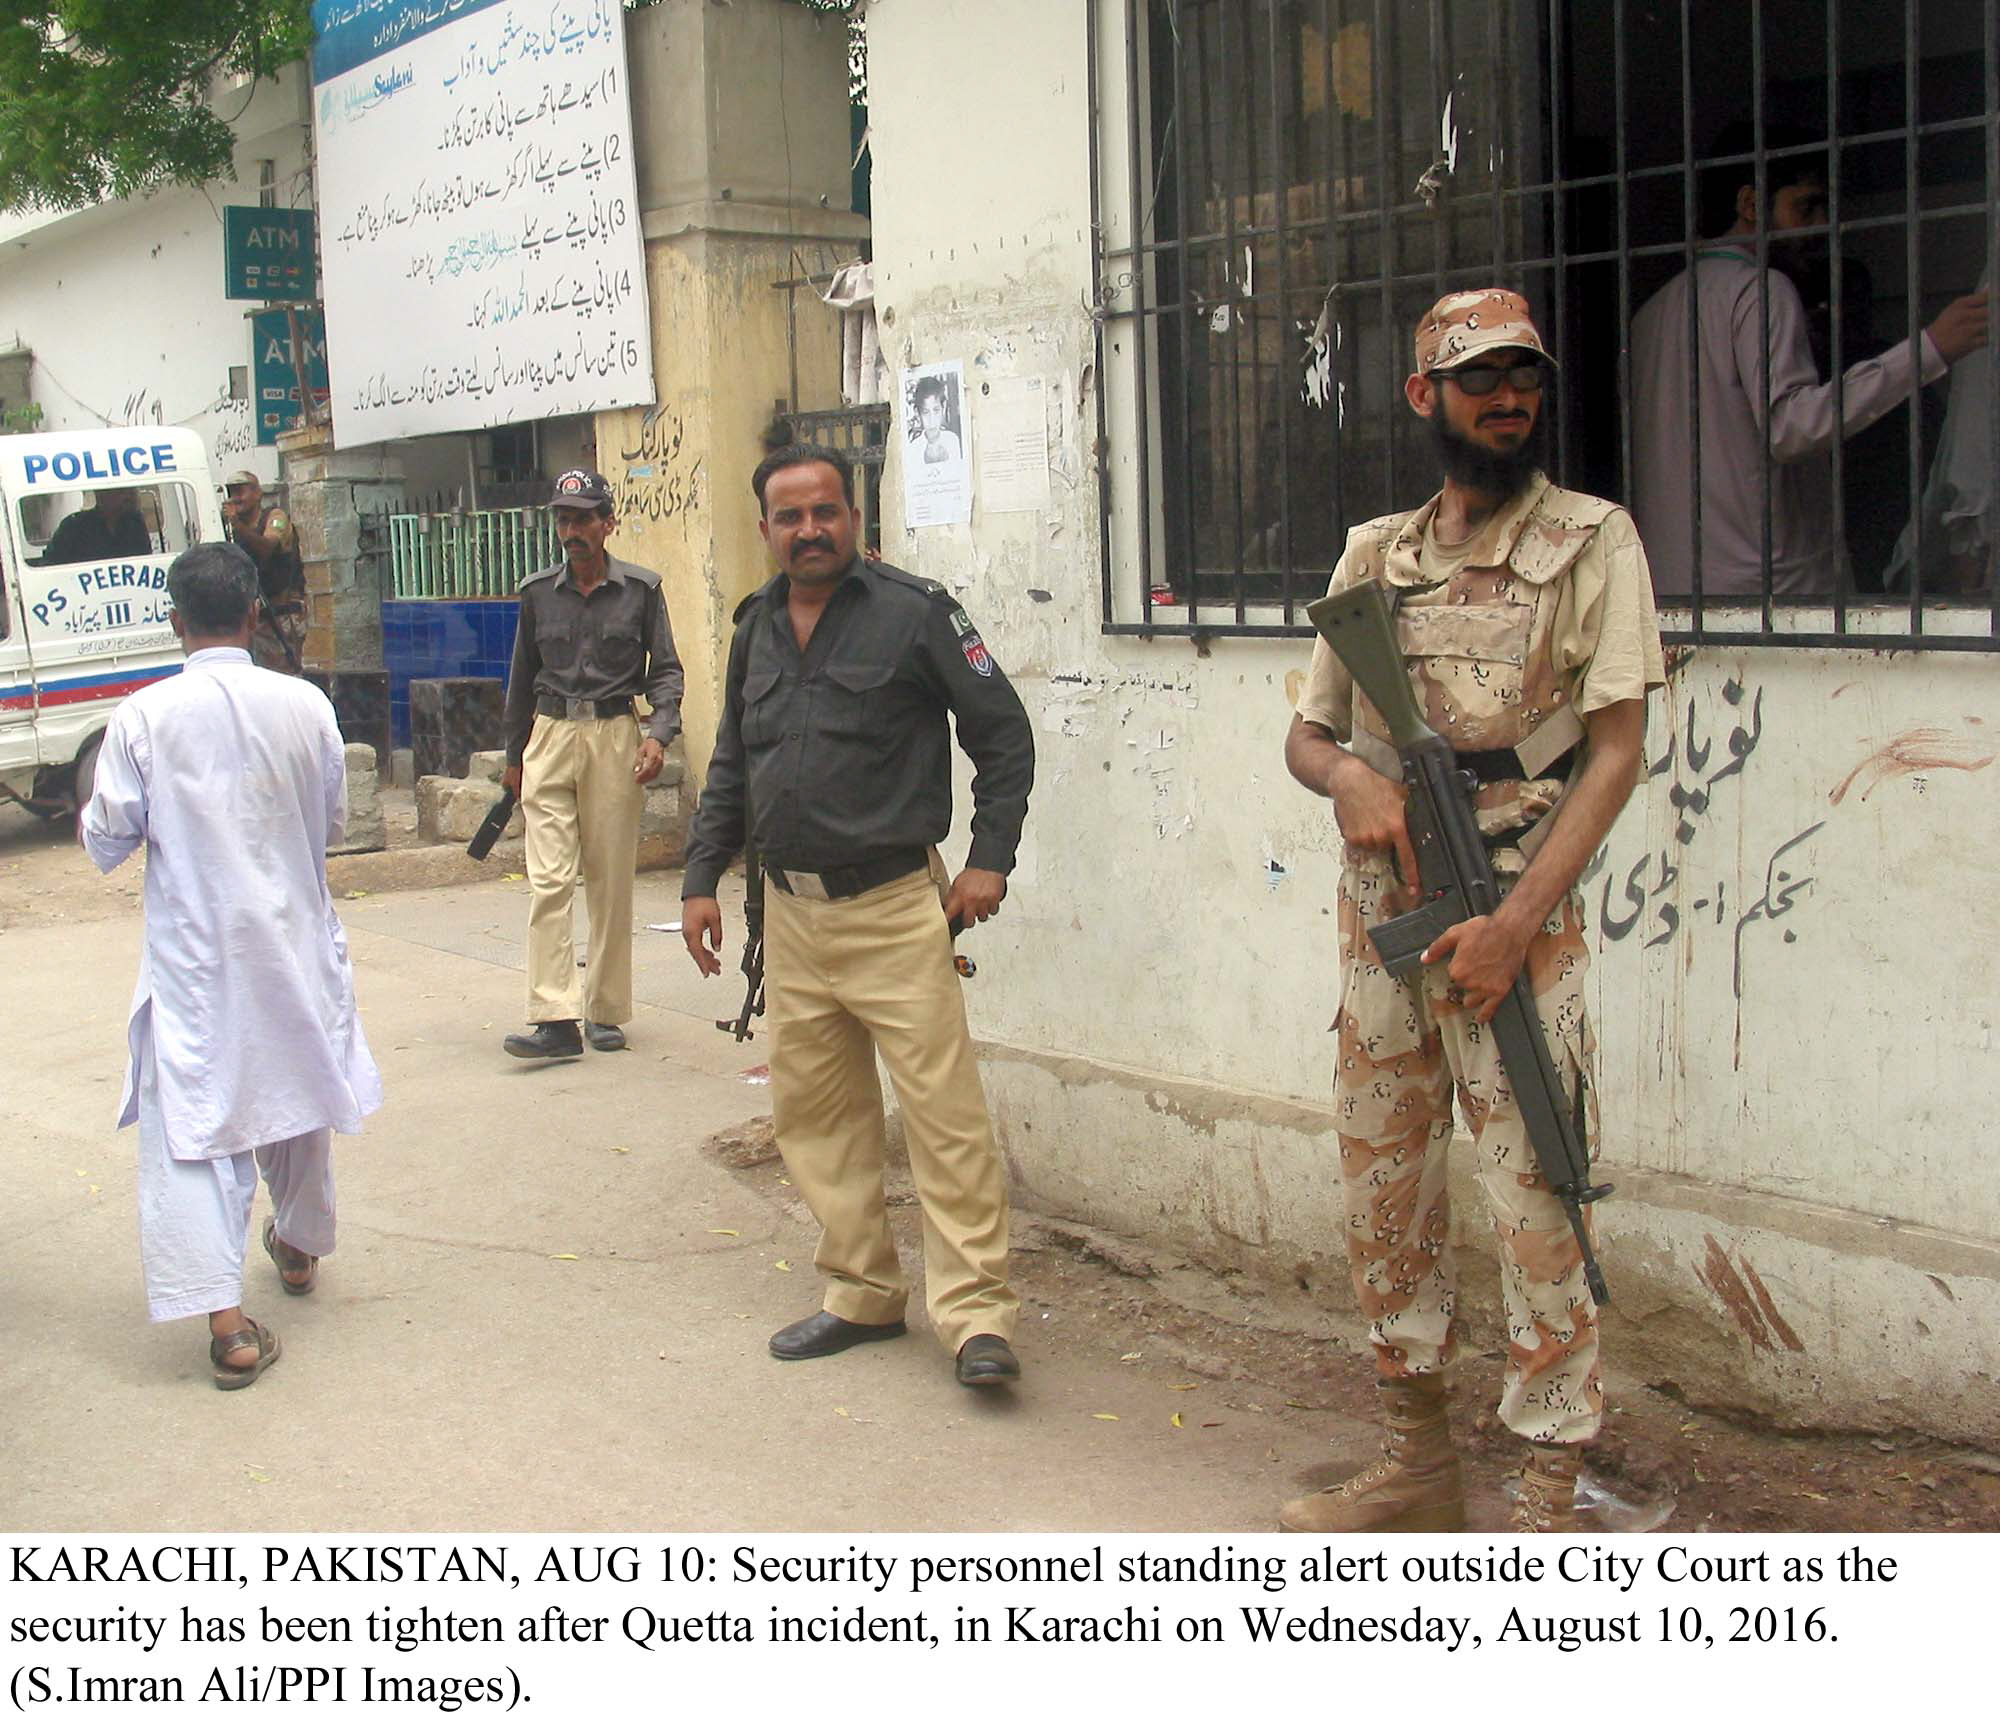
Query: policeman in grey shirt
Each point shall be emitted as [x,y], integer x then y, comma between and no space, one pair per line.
[844,677]
[593,635]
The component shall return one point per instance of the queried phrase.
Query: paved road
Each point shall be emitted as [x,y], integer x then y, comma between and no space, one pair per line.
[536,1319]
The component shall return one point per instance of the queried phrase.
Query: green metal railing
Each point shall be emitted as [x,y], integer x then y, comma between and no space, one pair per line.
[469,554]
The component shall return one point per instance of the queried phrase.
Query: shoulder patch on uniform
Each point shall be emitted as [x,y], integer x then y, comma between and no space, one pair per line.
[908,579]
[971,644]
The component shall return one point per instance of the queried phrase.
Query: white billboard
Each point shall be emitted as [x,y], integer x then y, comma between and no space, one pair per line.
[479,214]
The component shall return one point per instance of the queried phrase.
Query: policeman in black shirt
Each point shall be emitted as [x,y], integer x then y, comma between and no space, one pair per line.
[110,526]
[835,734]
[593,635]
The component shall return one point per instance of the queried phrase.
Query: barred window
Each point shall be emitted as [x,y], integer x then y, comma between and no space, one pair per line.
[1284,186]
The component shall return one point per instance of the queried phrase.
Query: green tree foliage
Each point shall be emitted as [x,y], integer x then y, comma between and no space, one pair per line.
[109,98]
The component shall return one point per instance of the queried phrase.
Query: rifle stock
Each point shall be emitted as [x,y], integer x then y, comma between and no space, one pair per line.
[1456,882]
[1359,627]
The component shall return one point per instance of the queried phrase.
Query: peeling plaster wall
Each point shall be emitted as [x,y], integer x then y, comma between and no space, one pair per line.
[1804,1227]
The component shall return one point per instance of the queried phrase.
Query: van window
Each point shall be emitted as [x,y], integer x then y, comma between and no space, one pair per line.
[114,522]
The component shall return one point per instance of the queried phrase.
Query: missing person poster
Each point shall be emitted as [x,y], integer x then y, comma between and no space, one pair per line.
[937,434]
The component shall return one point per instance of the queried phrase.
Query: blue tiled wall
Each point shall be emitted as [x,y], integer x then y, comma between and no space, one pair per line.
[443,639]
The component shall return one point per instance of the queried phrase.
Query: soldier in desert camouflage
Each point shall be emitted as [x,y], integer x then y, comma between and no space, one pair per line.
[1525,615]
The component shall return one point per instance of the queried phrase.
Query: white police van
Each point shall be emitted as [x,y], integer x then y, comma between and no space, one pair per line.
[89,522]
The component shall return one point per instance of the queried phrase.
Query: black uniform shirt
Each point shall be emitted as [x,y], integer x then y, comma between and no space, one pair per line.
[844,749]
[87,536]
[610,643]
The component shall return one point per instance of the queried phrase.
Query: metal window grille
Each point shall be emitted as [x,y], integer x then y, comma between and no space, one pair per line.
[1283,186]
[861,434]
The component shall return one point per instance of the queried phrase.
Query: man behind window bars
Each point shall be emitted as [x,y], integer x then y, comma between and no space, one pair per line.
[1733,317]
[1526,617]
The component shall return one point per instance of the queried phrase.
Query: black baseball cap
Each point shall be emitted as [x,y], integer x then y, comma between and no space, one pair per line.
[582,489]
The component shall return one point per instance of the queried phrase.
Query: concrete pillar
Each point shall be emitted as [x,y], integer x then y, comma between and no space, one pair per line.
[328,492]
[741,121]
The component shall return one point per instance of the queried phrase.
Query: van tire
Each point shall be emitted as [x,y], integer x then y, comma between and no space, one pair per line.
[86,773]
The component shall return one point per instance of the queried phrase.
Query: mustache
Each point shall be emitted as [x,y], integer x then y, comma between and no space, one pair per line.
[816,544]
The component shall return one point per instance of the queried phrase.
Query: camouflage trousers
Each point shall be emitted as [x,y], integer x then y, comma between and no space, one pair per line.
[1404,1049]
[282,626]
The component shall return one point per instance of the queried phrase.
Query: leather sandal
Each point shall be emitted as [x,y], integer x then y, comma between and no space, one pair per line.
[288,1261]
[227,1376]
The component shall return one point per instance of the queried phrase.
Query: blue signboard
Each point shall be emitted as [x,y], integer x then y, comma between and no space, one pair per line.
[268,254]
[276,380]
[350,33]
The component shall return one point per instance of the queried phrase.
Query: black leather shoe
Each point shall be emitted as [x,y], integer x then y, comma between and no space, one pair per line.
[549,1039]
[603,1036]
[822,1334]
[986,1359]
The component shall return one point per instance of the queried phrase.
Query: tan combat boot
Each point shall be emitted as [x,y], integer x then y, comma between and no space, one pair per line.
[1548,1491]
[1414,1486]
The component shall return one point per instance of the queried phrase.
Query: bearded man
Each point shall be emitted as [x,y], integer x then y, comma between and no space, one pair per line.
[1525,616]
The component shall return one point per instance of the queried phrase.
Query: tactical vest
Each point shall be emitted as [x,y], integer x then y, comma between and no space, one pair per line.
[1478,650]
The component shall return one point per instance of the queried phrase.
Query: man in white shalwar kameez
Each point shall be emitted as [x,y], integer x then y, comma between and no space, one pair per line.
[246,1050]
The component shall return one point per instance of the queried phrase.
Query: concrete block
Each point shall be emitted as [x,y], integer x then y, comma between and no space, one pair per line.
[486,765]
[449,809]
[365,829]
[665,816]
[402,768]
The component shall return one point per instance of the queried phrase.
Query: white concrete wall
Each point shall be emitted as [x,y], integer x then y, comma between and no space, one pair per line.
[123,305]
[1155,998]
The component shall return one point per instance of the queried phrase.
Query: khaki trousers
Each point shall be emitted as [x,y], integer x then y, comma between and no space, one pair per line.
[846,979]
[581,806]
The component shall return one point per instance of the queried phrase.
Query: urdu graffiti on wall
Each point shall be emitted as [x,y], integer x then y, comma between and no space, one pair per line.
[659,483]
[1652,899]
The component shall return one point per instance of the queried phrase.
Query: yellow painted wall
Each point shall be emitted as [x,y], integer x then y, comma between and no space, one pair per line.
[682,469]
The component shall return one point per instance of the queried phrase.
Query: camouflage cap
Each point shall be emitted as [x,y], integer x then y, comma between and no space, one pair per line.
[1473,322]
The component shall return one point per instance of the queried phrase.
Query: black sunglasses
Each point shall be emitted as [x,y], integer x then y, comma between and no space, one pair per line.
[1526,378]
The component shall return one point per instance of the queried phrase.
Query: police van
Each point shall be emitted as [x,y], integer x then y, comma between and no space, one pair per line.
[89,522]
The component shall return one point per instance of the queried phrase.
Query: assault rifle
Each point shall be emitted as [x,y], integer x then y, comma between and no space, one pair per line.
[1456,883]
[753,942]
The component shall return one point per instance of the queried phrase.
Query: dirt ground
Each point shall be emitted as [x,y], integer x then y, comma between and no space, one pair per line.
[1242,1346]
[1238,1346]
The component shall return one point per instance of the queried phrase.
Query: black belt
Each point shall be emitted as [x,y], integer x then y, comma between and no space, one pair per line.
[581,707]
[1489,766]
[1496,765]
[844,882]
